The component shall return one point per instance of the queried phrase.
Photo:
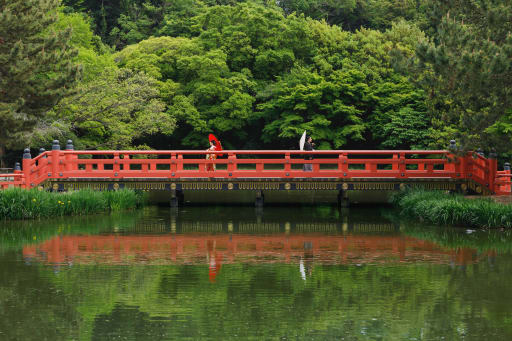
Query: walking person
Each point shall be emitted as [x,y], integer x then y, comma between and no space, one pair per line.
[308,146]
[210,166]
[215,146]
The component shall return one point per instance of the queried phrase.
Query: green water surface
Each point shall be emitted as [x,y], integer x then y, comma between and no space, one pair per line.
[241,273]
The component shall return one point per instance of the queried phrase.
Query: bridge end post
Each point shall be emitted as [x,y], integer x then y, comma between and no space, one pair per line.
[454,162]
[27,171]
[69,158]
[493,171]
[42,151]
[55,158]
[506,168]
[343,201]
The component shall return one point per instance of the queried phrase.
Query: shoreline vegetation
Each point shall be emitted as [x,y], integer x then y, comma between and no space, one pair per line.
[17,203]
[442,208]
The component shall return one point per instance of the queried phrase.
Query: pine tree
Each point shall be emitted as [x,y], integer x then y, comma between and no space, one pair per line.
[36,68]
[469,72]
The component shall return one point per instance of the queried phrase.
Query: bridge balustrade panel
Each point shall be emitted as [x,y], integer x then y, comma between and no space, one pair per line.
[258,164]
[242,164]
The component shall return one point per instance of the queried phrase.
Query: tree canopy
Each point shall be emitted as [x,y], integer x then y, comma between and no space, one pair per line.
[363,74]
[36,64]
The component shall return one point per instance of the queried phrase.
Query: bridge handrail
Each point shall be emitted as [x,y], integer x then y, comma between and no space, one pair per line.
[253,152]
[343,164]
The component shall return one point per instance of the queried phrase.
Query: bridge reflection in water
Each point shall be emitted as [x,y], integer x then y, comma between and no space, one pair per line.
[214,243]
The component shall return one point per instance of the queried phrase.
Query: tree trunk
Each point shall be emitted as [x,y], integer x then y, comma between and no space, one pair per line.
[2,154]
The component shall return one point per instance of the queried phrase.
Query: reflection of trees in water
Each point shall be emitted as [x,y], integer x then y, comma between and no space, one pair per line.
[338,299]
[497,241]
[334,301]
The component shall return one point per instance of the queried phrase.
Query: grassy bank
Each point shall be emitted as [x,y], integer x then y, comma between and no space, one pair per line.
[441,208]
[18,203]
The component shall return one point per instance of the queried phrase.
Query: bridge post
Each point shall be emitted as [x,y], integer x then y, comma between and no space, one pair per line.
[343,201]
[27,170]
[179,163]
[116,166]
[42,163]
[55,157]
[343,164]
[69,158]
[260,199]
[402,168]
[287,165]
[461,166]
[394,165]
[493,170]
[173,165]
[231,163]
[506,168]
[452,165]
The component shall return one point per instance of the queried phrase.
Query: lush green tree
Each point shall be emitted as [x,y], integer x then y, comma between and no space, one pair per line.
[36,67]
[114,111]
[139,22]
[354,14]
[328,107]
[467,72]
[350,96]
[259,78]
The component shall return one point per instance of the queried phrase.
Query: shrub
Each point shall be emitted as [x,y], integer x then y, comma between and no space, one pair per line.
[17,203]
[442,208]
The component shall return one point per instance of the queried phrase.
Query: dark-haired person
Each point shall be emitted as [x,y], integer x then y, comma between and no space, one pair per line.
[308,146]
[210,166]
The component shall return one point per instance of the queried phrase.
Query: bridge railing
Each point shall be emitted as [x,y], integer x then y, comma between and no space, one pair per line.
[504,180]
[11,180]
[233,164]
[240,164]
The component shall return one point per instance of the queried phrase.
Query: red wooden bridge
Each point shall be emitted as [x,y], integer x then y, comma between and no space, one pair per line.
[260,171]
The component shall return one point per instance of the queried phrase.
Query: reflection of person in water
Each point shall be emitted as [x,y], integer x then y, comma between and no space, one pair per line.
[306,261]
[214,261]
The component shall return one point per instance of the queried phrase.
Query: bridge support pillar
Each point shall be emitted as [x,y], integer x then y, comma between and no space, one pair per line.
[343,201]
[260,199]
[177,198]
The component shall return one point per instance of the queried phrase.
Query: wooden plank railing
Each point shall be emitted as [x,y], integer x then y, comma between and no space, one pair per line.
[235,164]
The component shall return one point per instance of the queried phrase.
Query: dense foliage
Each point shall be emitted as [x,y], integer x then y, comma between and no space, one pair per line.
[356,74]
[440,208]
[16,203]
[35,64]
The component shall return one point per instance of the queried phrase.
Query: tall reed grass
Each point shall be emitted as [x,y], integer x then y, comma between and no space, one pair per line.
[17,203]
[441,208]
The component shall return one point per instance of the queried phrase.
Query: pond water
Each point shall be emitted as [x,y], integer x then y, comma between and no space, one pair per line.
[307,273]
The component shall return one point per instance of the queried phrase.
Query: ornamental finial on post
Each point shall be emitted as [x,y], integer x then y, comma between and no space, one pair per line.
[26,154]
[69,145]
[452,146]
[56,145]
